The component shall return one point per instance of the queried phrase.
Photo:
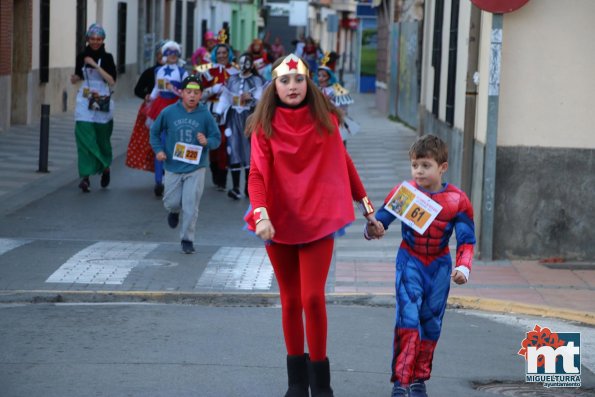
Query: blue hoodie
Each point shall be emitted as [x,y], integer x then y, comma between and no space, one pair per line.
[180,125]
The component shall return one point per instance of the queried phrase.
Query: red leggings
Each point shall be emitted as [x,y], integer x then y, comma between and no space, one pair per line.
[301,272]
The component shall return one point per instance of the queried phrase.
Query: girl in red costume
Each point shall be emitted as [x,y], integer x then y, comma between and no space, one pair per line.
[301,185]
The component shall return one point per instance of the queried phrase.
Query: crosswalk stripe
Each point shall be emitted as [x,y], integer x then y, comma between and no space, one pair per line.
[106,262]
[237,268]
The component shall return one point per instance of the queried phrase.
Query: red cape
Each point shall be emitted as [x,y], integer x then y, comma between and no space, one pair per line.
[305,177]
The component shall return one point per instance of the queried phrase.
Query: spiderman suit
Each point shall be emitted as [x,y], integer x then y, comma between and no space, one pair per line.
[423,270]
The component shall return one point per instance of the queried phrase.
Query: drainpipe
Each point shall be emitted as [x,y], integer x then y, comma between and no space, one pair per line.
[99,12]
[392,67]
[489,175]
[470,101]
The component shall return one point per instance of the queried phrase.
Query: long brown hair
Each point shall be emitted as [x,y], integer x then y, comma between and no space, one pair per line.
[320,108]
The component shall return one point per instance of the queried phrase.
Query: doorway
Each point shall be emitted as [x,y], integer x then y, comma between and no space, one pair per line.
[20,112]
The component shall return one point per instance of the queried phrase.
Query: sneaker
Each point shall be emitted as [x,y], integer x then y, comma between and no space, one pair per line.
[105,178]
[417,389]
[220,188]
[85,185]
[398,391]
[159,189]
[173,218]
[187,247]
[234,194]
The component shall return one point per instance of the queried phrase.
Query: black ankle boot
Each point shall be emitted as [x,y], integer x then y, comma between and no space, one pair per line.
[297,375]
[319,375]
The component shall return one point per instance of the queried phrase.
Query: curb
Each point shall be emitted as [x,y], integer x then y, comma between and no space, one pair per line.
[503,306]
[272,299]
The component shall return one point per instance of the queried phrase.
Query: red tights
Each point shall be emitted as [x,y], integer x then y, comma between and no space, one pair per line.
[301,272]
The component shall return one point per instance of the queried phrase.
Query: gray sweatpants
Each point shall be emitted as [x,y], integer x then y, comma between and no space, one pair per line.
[182,194]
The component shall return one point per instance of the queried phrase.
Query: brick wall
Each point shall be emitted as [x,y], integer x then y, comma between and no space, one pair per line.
[6,15]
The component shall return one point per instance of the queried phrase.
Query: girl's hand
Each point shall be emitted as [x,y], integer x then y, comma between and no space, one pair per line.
[265,230]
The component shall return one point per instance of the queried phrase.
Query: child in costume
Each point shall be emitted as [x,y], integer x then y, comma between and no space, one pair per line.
[140,154]
[339,96]
[424,267]
[94,125]
[301,185]
[312,54]
[213,76]
[240,96]
[166,91]
[190,131]
[260,58]
[202,55]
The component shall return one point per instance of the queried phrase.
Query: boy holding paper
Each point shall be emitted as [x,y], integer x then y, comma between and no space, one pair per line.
[190,131]
[429,211]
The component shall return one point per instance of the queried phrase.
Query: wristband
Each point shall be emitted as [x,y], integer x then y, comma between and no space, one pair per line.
[366,206]
[260,214]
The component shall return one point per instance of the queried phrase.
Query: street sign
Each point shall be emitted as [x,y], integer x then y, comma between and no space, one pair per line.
[332,23]
[499,6]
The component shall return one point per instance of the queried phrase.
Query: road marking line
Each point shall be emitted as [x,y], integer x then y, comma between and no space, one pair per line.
[106,262]
[237,268]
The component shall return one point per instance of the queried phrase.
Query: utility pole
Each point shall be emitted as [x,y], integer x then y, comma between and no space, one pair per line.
[489,174]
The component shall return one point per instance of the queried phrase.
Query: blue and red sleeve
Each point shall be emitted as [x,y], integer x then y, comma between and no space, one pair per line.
[465,232]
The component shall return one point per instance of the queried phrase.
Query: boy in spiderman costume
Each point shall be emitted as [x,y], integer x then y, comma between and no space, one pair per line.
[424,267]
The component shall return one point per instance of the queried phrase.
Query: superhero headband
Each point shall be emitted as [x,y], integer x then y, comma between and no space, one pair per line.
[191,82]
[292,64]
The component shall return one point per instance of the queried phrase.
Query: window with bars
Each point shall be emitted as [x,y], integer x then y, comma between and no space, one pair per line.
[437,54]
[203,31]
[189,28]
[44,41]
[81,25]
[178,22]
[121,52]
[452,63]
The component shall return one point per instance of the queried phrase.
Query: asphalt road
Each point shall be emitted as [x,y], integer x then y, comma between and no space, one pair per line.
[150,350]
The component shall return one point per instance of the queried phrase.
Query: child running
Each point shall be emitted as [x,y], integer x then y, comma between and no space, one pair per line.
[190,131]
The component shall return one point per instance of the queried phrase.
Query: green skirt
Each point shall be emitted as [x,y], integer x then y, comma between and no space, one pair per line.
[94,147]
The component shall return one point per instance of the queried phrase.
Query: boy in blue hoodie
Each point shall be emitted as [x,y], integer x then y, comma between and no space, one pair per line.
[190,131]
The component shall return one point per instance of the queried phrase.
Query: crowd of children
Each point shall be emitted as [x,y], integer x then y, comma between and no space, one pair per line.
[283,119]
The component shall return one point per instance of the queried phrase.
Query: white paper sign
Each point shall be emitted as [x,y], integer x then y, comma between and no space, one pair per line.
[187,153]
[413,207]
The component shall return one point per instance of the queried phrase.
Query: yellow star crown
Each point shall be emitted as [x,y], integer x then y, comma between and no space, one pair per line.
[325,59]
[222,37]
[292,64]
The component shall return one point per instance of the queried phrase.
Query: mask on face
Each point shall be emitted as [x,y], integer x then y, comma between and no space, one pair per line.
[245,63]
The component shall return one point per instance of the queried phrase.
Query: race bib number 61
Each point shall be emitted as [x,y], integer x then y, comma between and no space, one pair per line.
[413,207]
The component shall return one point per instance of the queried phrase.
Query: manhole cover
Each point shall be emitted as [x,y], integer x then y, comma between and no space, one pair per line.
[530,390]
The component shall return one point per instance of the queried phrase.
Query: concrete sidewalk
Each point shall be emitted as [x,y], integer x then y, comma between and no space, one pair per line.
[361,272]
